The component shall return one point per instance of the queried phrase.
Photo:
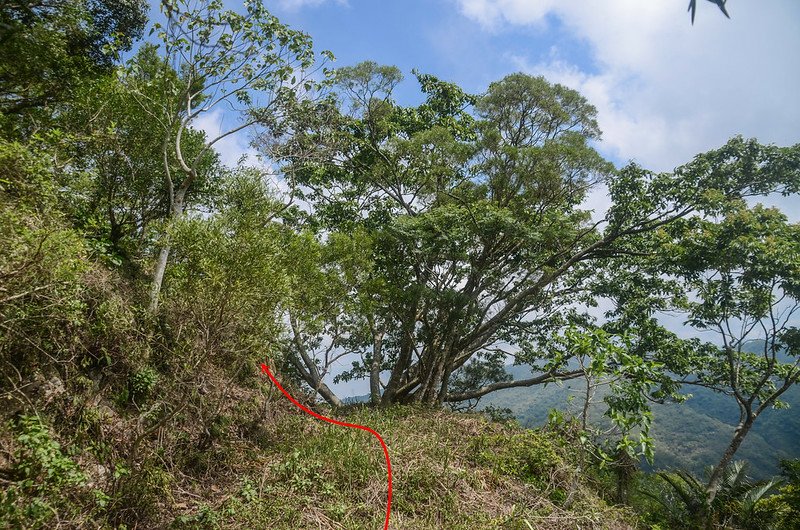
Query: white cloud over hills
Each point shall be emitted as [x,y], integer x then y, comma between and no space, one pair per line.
[666,90]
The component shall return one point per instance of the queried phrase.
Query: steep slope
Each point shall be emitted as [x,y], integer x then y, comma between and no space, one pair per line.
[266,465]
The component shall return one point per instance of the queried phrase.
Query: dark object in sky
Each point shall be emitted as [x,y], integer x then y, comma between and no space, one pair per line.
[720,4]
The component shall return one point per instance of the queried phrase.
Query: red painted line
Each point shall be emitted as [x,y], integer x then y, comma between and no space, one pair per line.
[265,369]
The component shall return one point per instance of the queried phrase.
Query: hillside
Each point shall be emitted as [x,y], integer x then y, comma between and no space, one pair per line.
[269,466]
[691,435]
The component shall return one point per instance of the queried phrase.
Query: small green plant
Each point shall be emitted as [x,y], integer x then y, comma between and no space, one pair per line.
[44,476]
[206,517]
[141,384]
[40,456]
[302,474]
[528,456]
[248,491]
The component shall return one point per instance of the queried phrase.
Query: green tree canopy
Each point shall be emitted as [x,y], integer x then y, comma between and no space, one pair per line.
[732,270]
[47,48]
[472,204]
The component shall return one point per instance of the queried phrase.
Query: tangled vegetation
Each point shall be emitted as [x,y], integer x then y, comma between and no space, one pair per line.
[143,281]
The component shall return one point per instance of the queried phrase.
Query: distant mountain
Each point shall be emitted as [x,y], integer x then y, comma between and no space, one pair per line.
[355,400]
[690,435]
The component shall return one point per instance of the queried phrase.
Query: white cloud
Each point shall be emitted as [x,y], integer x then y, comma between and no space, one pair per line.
[490,13]
[666,90]
[236,148]
[231,148]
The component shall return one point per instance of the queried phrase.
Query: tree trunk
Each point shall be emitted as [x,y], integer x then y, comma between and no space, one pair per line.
[431,390]
[587,400]
[163,255]
[158,275]
[399,373]
[440,398]
[719,470]
[328,395]
[624,468]
[375,369]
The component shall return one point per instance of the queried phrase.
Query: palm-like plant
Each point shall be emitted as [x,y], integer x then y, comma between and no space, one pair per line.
[735,505]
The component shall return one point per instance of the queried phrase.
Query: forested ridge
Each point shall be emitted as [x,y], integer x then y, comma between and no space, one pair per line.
[426,248]
[688,435]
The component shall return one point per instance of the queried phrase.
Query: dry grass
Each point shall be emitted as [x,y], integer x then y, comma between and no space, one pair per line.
[232,456]
[335,478]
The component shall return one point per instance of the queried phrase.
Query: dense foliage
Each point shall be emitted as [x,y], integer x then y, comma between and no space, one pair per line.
[142,281]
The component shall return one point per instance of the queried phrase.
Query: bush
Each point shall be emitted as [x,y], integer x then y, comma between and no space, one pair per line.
[47,484]
[141,384]
[528,455]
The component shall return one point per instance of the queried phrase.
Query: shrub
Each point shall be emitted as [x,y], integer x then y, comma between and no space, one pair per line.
[141,384]
[528,455]
[47,485]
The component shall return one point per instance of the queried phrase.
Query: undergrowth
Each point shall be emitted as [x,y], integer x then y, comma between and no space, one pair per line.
[450,471]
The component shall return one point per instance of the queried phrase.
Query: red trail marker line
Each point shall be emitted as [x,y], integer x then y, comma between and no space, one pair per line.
[265,369]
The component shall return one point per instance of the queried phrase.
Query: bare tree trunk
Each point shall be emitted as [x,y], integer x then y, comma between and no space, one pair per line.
[433,376]
[158,275]
[624,468]
[175,209]
[587,400]
[398,378]
[310,375]
[444,386]
[375,369]
[176,213]
[163,258]
[719,470]
[328,395]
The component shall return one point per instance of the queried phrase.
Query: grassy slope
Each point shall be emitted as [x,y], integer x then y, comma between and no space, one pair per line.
[270,466]
[450,471]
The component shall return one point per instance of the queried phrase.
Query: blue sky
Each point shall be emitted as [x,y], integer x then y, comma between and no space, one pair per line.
[433,36]
[665,89]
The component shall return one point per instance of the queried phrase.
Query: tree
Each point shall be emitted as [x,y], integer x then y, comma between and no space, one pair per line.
[48,48]
[733,271]
[607,360]
[744,271]
[229,275]
[120,196]
[472,205]
[326,314]
[243,65]
[438,189]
